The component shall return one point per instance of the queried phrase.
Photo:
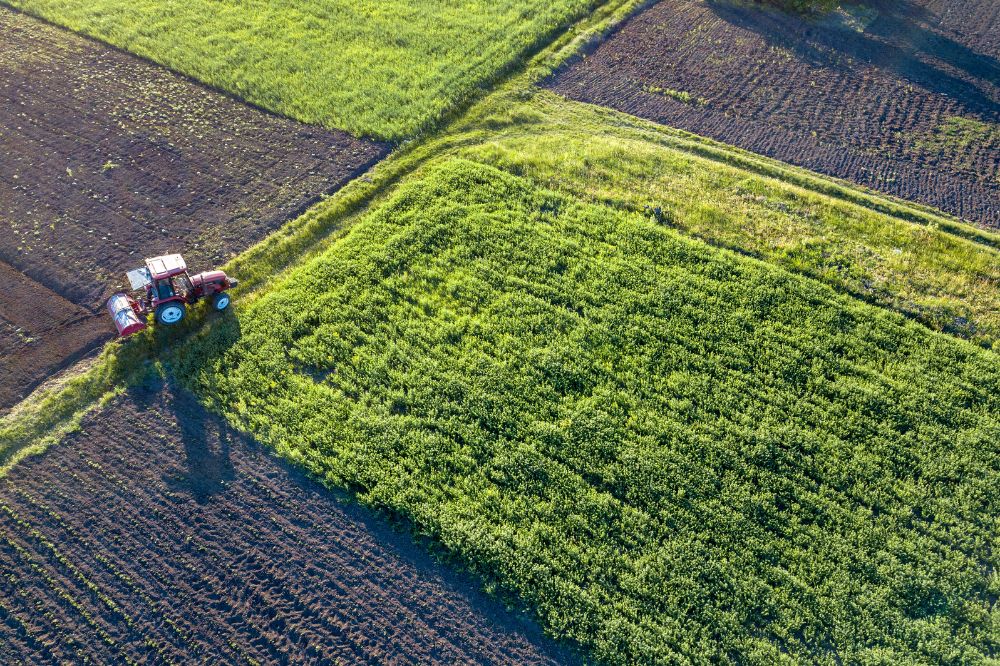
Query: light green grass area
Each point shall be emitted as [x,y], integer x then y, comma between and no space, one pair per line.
[679,95]
[944,274]
[670,451]
[960,133]
[381,69]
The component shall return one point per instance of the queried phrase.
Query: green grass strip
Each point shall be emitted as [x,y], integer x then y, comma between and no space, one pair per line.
[928,266]
[388,70]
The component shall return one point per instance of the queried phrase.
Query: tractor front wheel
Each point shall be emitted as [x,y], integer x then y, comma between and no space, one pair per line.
[220,301]
[170,313]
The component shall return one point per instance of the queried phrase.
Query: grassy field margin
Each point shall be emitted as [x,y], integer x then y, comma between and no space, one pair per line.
[52,411]
[41,419]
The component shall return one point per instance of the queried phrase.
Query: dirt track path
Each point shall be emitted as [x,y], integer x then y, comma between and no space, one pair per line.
[157,534]
[106,158]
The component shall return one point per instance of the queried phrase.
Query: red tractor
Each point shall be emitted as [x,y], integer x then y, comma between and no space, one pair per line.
[164,288]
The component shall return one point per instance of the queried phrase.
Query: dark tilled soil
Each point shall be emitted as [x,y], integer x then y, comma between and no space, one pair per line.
[158,535]
[106,159]
[865,96]
[40,332]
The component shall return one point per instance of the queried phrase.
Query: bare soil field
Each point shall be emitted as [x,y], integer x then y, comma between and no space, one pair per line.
[40,332]
[106,158]
[156,534]
[902,96]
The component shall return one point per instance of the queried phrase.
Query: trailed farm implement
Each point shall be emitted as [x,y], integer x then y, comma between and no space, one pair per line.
[164,289]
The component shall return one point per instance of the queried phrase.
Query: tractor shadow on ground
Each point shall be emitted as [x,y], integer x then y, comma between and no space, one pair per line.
[206,438]
[898,41]
[207,441]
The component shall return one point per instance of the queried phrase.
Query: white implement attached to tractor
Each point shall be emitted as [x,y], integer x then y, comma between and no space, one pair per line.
[164,288]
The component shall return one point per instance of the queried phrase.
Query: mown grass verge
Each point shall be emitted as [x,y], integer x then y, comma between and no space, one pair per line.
[670,451]
[387,70]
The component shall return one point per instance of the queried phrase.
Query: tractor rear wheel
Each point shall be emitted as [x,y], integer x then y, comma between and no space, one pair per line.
[170,313]
[220,301]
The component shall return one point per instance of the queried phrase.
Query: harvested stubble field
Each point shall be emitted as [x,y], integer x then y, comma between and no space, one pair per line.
[902,96]
[156,534]
[105,159]
[670,451]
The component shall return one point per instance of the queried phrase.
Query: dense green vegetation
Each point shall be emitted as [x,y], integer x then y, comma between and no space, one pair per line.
[670,451]
[387,69]
[924,265]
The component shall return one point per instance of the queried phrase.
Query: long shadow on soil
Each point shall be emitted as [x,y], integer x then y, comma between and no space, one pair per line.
[242,552]
[207,442]
[897,41]
[207,439]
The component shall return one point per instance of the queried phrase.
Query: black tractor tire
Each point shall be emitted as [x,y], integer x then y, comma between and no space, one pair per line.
[220,301]
[171,313]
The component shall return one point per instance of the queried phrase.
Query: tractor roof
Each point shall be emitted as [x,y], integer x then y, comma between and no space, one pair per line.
[166,266]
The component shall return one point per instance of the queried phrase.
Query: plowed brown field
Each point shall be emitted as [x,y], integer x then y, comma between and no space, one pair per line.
[902,97]
[106,158]
[158,535]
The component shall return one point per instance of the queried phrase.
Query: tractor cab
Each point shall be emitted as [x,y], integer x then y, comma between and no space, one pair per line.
[164,274]
[166,290]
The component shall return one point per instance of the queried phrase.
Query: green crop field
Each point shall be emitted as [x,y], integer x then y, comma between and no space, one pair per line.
[668,449]
[385,70]
[919,263]
[679,402]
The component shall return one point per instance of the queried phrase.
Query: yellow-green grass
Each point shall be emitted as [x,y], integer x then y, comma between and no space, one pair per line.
[941,272]
[669,451]
[924,264]
[381,69]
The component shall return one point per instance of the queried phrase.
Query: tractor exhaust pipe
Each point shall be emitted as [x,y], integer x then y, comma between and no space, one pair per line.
[123,311]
